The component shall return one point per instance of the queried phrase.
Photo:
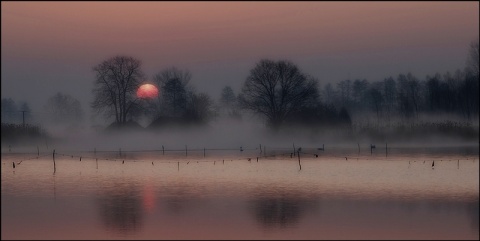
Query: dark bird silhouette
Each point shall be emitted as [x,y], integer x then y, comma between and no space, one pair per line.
[152,163]
[346,159]
[433,163]
[123,162]
[13,164]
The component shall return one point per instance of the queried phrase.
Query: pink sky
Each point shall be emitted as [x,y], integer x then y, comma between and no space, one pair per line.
[52,46]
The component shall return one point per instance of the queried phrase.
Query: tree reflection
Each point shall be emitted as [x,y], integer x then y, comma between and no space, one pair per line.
[279,212]
[121,209]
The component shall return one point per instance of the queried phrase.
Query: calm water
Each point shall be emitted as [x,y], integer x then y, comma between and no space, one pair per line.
[340,194]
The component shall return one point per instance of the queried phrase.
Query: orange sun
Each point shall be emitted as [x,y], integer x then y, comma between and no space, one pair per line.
[147,91]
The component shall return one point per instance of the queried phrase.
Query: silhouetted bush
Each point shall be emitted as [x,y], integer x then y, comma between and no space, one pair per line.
[162,122]
[129,125]
[17,132]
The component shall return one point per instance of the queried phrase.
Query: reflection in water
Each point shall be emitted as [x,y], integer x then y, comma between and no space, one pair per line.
[328,199]
[121,209]
[473,213]
[279,211]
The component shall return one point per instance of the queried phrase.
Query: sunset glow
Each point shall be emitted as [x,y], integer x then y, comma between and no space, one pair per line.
[147,91]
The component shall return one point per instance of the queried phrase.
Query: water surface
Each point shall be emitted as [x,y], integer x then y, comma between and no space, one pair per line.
[341,194]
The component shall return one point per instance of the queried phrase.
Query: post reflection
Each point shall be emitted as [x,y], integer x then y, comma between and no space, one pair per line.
[120,209]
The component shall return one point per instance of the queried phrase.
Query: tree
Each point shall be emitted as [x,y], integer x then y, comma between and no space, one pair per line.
[10,112]
[376,100]
[229,103]
[199,107]
[345,89]
[389,93]
[276,90]
[472,60]
[117,80]
[64,109]
[359,92]
[172,100]
[227,98]
[329,94]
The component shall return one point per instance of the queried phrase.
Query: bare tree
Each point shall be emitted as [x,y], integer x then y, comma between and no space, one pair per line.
[345,90]
[173,82]
[10,113]
[229,104]
[276,90]
[227,98]
[376,100]
[472,61]
[199,107]
[117,80]
[64,109]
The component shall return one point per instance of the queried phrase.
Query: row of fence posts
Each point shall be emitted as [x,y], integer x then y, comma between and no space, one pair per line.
[295,152]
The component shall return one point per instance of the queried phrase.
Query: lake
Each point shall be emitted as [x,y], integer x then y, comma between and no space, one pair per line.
[338,193]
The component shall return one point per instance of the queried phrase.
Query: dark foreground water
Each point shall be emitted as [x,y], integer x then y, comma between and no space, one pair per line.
[338,195]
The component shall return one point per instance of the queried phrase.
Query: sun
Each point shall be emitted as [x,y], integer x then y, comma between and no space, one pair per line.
[147,91]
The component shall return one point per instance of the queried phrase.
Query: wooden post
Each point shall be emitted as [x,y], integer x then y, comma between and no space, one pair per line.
[358,148]
[178,166]
[163,150]
[38,151]
[96,160]
[458,164]
[257,158]
[223,162]
[54,166]
[299,160]
[294,149]
[13,164]
[386,151]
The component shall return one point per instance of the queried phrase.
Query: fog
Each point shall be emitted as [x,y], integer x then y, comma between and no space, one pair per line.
[46,50]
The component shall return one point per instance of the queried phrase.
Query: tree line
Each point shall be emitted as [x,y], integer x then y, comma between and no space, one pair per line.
[277,91]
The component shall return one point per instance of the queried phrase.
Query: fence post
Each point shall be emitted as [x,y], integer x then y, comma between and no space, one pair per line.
[54,166]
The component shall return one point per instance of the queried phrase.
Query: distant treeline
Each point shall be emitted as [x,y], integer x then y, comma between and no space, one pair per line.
[280,94]
[408,96]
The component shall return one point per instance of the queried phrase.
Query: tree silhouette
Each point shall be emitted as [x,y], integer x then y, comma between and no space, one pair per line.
[64,108]
[172,100]
[10,111]
[276,90]
[472,60]
[117,80]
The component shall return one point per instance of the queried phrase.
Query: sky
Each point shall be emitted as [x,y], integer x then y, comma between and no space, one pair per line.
[49,47]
